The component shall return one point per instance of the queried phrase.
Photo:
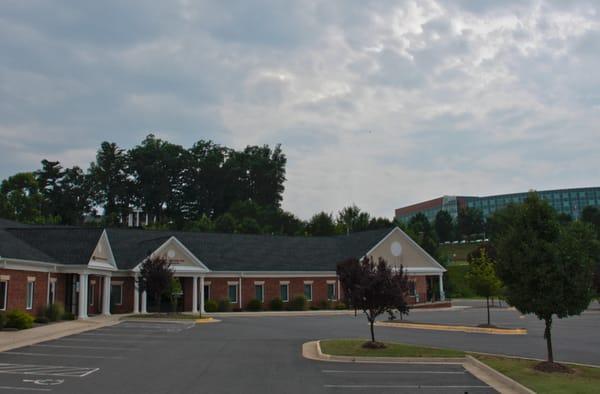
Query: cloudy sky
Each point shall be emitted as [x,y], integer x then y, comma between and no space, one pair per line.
[380,103]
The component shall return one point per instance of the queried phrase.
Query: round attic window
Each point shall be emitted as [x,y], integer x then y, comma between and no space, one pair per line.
[396,249]
[171,253]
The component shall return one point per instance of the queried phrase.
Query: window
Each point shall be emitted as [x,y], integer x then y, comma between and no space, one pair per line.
[52,291]
[3,294]
[331,291]
[206,292]
[284,292]
[308,291]
[91,292]
[30,292]
[116,293]
[412,288]
[259,293]
[232,293]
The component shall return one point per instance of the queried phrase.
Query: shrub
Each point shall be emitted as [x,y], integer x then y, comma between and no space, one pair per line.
[19,320]
[276,304]
[224,305]
[341,306]
[68,316]
[2,319]
[325,304]
[211,306]
[54,312]
[254,305]
[41,319]
[298,303]
[314,307]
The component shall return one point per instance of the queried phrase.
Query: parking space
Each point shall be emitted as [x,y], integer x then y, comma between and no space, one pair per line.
[61,365]
[400,378]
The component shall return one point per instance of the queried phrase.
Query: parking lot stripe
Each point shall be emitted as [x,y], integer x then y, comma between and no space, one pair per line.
[23,388]
[402,386]
[51,370]
[107,340]
[94,334]
[83,347]
[63,355]
[400,372]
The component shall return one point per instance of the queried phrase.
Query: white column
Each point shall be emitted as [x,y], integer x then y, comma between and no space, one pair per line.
[240,293]
[106,296]
[195,294]
[83,296]
[136,296]
[144,300]
[202,294]
[442,294]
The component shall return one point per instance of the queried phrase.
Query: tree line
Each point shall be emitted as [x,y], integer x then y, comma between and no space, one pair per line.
[207,187]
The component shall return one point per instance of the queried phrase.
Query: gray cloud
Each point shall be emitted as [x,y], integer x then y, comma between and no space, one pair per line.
[378,103]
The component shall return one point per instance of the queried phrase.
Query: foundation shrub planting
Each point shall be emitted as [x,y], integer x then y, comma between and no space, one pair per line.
[19,320]
[211,306]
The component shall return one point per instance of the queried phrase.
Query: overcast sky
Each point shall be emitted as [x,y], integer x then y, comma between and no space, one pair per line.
[381,103]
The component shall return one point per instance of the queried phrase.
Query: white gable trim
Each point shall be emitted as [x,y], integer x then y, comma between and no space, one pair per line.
[201,266]
[438,267]
[110,262]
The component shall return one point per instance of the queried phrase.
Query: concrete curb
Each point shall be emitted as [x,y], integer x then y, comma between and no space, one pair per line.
[281,313]
[488,375]
[448,327]
[32,339]
[496,379]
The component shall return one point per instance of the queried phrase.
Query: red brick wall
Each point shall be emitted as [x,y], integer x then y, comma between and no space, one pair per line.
[187,286]
[60,289]
[128,288]
[17,290]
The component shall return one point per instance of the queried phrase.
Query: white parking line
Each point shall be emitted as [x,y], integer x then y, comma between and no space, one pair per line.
[50,370]
[83,347]
[398,372]
[400,386]
[63,355]
[23,388]
[97,334]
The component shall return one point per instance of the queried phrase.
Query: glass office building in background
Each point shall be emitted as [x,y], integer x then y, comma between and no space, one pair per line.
[567,201]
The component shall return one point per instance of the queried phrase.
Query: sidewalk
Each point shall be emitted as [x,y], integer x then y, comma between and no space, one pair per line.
[15,339]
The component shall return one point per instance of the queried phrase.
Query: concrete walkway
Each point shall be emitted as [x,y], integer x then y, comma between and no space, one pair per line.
[15,339]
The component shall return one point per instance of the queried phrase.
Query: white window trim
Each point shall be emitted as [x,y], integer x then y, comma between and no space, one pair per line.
[52,285]
[120,286]
[237,287]
[5,295]
[29,301]
[332,283]
[91,291]
[287,291]
[309,283]
[262,290]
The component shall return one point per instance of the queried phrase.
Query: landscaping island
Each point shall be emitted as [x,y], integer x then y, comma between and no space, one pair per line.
[581,379]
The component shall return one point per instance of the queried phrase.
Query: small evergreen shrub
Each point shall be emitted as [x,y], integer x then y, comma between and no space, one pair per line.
[2,319]
[54,312]
[325,304]
[276,304]
[224,305]
[314,307]
[41,319]
[254,305]
[298,303]
[211,306]
[68,316]
[340,306]
[19,320]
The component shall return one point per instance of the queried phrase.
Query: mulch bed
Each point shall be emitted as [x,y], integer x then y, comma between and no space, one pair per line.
[374,345]
[549,367]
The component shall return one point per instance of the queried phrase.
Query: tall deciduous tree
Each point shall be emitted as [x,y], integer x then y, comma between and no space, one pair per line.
[483,280]
[373,288]
[470,222]
[321,224]
[546,268]
[444,226]
[155,277]
[23,200]
[423,233]
[351,219]
[49,179]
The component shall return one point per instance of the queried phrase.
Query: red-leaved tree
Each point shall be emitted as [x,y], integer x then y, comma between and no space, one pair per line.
[155,277]
[374,288]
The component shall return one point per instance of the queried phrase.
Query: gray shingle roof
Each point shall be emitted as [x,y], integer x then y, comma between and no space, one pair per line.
[219,252]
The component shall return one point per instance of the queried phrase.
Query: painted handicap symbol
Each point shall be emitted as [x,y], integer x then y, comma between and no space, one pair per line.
[44,382]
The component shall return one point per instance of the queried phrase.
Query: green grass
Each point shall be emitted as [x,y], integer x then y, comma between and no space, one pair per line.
[353,347]
[458,252]
[584,380]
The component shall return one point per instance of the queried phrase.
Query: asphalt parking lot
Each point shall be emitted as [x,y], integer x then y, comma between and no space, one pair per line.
[236,356]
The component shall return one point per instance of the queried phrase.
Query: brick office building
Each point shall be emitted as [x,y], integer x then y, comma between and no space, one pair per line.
[96,268]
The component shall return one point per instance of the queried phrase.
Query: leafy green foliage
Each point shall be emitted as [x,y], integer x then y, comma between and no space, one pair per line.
[321,224]
[546,268]
[420,230]
[54,312]
[254,305]
[444,226]
[19,320]
[224,305]
[297,303]
[482,278]
[211,306]
[470,223]
[276,304]
[2,319]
